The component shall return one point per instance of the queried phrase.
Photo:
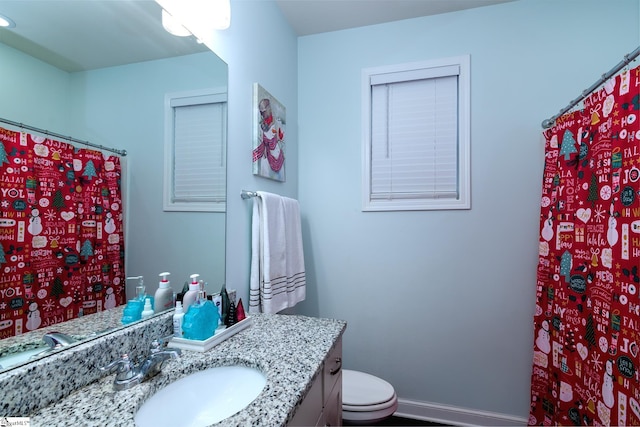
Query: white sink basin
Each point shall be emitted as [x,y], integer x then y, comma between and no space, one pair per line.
[202,398]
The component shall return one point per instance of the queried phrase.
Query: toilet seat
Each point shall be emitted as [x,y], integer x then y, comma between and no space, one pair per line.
[371,408]
[361,389]
[366,398]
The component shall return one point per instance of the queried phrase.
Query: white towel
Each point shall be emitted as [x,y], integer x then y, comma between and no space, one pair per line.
[278,278]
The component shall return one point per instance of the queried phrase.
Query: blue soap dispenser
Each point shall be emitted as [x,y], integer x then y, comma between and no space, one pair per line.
[135,307]
[201,319]
[141,291]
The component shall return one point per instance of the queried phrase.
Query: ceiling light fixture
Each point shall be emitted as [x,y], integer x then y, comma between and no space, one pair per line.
[197,17]
[221,12]
[172,25]
[6,22]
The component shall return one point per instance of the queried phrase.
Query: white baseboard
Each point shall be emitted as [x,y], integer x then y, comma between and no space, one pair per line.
[453,415]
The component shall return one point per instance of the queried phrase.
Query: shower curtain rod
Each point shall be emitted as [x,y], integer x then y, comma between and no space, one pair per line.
[68,138]
[619,66]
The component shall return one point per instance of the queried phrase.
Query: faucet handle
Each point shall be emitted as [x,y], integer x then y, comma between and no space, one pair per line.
[127,375]
[159,344]
[123,365]
[156,346]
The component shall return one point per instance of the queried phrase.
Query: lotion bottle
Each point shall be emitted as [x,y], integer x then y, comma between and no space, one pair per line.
[164,294]
[178,316]
[192,294]
[148,310]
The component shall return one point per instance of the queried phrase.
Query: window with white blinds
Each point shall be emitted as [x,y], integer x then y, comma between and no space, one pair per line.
[416,136]
[195,152]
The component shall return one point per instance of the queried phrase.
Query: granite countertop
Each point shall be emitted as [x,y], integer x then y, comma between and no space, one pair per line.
[79,328]
[288,349]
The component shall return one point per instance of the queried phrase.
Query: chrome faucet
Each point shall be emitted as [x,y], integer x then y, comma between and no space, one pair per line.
[129,374]
[57,340]
[54,341]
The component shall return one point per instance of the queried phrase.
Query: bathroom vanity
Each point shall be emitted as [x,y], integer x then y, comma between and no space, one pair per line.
[322,405]
[299,356]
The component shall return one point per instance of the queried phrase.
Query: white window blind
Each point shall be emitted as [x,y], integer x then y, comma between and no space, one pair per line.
[414,139]
[415,152]
[196,151]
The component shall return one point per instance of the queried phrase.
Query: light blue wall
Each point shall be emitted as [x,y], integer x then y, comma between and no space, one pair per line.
[123,107]
[259,47]
[441,303]
[27,85]
[438,303]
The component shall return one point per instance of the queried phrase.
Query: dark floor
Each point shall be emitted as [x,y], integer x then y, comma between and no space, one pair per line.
[400,422]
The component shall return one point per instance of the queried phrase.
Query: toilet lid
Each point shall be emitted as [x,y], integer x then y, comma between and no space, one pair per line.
[361,389]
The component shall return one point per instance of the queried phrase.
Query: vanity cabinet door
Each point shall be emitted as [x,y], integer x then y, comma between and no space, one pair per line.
[322,405]
[332,393]
[332,412]
[309,413]
[332,369]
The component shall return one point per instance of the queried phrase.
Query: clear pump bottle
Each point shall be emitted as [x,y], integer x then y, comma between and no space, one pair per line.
[135,307]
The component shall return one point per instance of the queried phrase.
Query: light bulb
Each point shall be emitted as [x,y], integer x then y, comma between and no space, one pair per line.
[173,26]
[221,14]
[6,22]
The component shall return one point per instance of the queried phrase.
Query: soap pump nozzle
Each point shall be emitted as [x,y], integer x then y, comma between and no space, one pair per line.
[194,285]
[194,278]
[202,294]
[164,282]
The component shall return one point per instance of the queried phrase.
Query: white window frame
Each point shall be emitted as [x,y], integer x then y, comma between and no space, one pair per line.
[181,99]
[408,72]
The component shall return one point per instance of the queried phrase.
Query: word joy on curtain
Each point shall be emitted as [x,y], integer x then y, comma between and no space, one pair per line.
[586,357]
[61,232]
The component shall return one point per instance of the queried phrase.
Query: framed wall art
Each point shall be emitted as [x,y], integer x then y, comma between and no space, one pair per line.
[269,123]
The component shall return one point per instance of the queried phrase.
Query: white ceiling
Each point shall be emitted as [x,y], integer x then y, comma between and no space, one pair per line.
[76,35]
[320,16]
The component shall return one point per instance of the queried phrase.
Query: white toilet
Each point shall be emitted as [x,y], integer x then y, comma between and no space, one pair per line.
[366,399]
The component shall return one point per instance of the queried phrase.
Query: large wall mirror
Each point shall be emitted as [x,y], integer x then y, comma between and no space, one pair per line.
[111,66]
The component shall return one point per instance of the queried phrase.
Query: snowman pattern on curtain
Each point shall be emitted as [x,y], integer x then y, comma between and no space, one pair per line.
[61,240]
[587,319]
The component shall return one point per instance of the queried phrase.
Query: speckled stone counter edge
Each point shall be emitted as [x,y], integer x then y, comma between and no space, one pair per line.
[288,349]
[22,387]
[81,328]
[85,327]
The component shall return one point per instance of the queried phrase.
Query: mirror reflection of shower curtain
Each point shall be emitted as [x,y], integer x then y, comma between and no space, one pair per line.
[61,232]
[587,337]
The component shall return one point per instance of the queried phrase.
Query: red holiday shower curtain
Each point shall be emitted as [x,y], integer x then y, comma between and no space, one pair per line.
[61,232]
[587,337]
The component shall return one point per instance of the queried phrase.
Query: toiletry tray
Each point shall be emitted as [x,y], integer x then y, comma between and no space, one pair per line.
[222,334]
